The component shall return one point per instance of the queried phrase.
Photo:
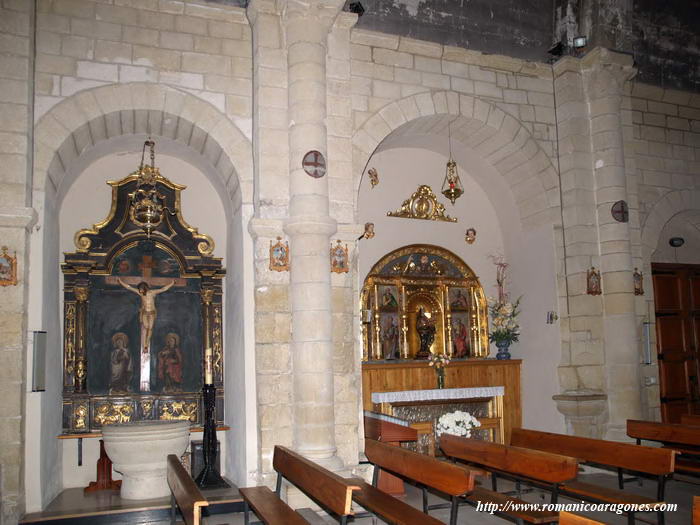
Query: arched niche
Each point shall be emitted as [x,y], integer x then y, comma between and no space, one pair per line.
[423,279]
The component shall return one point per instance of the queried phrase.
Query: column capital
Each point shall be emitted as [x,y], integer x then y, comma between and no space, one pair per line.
[269,7]
[607,71]
[17,217]
[323,12]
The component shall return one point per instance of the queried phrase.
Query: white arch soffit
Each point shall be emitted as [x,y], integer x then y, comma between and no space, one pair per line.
[90,117]
[664,209]
[498,137]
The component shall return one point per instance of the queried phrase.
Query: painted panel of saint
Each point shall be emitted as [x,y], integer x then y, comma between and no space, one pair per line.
[460,334]
[459,299]
[388,298]
[121,365]
[389,333]
[170,365]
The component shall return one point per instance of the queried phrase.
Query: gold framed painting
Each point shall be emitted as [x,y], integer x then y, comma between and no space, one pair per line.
[8,268]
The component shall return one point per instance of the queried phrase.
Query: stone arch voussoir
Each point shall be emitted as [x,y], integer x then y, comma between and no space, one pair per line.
[663,210]
[91,116]
[501,139]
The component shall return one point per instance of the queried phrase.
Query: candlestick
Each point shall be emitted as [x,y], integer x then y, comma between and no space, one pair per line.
[208,369]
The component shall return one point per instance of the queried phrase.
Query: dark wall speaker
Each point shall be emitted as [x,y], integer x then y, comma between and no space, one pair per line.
[39,362]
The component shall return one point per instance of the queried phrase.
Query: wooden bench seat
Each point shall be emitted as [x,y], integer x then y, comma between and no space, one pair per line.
[568,518]
[684,439]
[426,471]
[690,419]
[656,462]
[269,508]
[184,493]
[332,492]
[540,468]
[387,507]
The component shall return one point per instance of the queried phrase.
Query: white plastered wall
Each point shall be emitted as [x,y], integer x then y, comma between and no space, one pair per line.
[488,206]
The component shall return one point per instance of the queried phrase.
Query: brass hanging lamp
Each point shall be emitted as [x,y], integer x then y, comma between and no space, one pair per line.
[452,186]
[147,207]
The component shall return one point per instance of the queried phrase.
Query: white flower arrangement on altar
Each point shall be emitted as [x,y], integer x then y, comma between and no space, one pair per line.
[458,423]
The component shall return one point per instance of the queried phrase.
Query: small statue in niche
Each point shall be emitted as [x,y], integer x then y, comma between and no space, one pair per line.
[593,281]
[425,326]
[638,282]
[121,367]
[373,177]
[170,364]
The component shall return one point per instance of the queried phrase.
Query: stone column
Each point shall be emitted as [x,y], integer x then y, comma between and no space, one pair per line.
[16,217]
[604,76]
[309,226]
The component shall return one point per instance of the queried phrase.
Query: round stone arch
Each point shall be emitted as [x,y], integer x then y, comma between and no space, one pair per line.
[498,137]
[91,121]
[663,210]
[92,116]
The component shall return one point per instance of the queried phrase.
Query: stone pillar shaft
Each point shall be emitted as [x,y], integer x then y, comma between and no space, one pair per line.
[605,74]
[310,227]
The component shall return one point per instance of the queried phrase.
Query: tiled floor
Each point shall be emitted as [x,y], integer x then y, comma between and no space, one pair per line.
[678,492]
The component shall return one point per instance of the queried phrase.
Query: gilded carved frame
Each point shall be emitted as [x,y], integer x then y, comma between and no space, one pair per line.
[97,249]
[433,286]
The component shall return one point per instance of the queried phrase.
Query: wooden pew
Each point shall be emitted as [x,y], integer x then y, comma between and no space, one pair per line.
[539,468]
[426,471]
[696,510]
[622,456]
[567,518]
[393,431]
[184,493]
[683,438]
[690,419]
[268,507]
[332,492]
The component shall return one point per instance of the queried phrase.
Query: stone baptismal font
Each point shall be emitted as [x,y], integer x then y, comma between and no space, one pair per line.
[139,452]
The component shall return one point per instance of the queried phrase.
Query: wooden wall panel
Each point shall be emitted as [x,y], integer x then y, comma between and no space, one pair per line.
[417,375]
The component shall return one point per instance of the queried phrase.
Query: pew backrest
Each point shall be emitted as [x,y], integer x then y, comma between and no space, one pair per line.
[384,428]
[651,460]
[533,464]
[448,478]
[325,487]
[567,518]
[663,432]
[690,419]
[185,491]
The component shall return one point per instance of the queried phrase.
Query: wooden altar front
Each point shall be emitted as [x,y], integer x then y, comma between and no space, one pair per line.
[470,373]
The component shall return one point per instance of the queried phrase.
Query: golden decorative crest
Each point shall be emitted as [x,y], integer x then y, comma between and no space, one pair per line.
[423,204]
[179,411]
[279,256]
[112,413]
[8,268]
[339,258]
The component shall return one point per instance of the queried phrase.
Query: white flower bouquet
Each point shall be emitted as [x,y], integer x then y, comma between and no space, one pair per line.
[458,423]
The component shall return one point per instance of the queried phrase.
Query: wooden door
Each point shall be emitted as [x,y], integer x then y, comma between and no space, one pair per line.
[677,298]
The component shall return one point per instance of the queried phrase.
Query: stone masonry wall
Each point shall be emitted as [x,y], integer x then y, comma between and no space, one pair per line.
[202,49]
[16,28]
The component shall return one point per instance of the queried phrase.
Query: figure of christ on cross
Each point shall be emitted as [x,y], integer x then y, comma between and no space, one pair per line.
[147,310]
[147,318]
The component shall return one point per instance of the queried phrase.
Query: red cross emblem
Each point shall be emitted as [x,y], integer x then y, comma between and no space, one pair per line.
[314,164]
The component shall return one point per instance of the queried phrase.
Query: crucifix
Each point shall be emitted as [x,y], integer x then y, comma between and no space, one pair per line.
[147,310]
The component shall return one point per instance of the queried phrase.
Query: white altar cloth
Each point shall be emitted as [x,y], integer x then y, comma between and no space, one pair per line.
[436,394]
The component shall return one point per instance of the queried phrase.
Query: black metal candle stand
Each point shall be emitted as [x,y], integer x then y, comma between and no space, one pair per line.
[209,478]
